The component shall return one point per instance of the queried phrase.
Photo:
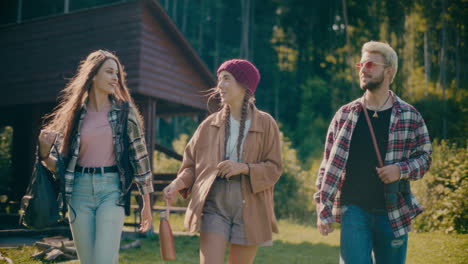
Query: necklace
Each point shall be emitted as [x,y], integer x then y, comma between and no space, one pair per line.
[375,115]
[231,148]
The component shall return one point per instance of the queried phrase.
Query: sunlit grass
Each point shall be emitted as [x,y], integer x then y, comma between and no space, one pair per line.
[296,243]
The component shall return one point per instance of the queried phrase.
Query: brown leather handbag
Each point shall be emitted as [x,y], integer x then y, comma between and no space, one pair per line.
[166,238]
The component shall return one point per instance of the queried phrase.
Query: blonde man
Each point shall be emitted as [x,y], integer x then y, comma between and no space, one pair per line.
[374,205]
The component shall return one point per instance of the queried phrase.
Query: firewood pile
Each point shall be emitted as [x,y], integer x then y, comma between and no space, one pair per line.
[55,248]
[63,249]
[5,259]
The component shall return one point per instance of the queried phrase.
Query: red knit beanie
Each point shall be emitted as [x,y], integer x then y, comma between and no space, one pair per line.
[244,72]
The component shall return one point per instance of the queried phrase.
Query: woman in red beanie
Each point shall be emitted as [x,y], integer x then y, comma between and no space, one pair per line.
[229,168]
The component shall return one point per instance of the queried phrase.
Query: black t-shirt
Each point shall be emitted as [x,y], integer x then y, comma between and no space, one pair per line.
[362,186]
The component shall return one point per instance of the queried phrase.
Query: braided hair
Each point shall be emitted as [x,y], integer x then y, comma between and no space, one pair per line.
[227,127]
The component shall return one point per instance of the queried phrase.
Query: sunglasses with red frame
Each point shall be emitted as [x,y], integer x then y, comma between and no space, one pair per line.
[369,65]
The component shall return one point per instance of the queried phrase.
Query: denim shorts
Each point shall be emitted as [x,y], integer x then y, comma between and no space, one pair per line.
[222,212]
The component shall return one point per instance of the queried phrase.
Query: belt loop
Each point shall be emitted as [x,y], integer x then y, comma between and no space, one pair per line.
[82,170]
[102,170]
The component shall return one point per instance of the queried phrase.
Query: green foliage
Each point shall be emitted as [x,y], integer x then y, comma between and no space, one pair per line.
[164,164]
[293,192]
[313,117]
[443,191]
[306,63]
[6,139]
[455,111]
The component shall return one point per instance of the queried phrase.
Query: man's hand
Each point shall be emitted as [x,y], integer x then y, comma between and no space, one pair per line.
[324,229]
[230,168]
[389,174]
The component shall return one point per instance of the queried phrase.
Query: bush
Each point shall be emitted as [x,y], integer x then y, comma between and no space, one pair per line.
[443,191]
[294,190]
[6,139]
[164,164]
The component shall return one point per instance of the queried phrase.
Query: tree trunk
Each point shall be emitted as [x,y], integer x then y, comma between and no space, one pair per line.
[427,61]
[457,63]
[174,11]
[251,31]
[219,10]
[245,16]
[443,67]
[200,28]
[184,17]
[348,46]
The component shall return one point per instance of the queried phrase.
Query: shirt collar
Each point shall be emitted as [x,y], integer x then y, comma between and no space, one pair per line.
[116,106]
[398,104]
[255,126]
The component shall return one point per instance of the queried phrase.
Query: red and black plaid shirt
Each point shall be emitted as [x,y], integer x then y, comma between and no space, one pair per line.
[409,147]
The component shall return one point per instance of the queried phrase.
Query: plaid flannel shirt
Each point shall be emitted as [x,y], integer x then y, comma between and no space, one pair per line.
[139,159]
[409,147]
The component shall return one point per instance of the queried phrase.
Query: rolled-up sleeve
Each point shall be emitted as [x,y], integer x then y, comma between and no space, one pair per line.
[186,174]
[265,174]
[139,159]
[329,141]
[420,159]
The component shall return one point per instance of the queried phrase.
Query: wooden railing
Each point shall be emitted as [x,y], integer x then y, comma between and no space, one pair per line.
[160,181]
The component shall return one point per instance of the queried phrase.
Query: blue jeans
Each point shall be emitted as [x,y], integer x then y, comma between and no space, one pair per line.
[96,220]
[367,237]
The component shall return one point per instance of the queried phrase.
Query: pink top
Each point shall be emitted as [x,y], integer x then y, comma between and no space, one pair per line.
[96,145]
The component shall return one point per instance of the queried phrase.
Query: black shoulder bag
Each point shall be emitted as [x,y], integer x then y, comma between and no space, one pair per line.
[43,201]
[391,190]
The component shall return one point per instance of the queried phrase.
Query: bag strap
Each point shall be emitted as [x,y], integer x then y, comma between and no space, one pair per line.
[167,210]
[61,181]
[371,130]
[124,120]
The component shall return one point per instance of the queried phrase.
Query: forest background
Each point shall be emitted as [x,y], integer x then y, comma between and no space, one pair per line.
[306,51]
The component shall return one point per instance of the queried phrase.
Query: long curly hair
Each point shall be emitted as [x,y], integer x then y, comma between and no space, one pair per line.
[71,99]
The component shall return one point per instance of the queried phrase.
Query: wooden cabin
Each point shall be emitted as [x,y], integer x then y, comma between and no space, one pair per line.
[40,52]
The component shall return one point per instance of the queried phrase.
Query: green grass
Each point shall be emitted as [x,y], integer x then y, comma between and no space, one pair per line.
[295,244]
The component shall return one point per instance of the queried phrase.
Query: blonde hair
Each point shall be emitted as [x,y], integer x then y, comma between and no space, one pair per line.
[73,96]
[389,54]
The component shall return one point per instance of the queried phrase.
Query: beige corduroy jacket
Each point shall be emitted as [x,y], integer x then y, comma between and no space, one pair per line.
[261,150]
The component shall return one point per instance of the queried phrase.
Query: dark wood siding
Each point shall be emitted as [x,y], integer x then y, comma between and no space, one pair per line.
[166,70]
[39,56]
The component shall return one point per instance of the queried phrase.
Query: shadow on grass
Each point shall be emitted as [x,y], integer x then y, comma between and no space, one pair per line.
[281,252]
[305,252]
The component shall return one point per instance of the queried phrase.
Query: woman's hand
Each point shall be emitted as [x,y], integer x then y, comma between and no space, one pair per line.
[146,216]
[170,192]
[146,219]
[46,139]
[229,168]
